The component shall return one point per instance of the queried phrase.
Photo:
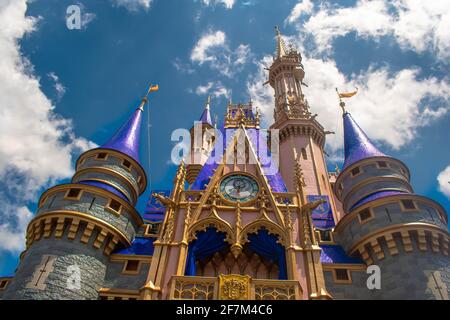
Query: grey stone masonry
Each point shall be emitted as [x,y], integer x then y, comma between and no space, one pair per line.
[59,269]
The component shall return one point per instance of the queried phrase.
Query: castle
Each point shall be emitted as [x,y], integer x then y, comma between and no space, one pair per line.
[235,228]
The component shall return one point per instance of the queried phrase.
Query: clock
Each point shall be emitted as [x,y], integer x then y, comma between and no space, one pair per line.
[238,187]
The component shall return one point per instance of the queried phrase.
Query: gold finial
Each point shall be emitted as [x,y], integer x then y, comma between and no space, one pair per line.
[281,48]
[208,102]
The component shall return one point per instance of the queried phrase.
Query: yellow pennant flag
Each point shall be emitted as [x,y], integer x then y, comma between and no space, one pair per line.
[347,94]
[153,88]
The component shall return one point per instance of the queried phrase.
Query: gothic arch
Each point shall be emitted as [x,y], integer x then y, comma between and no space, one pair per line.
[203,224]
[271,227]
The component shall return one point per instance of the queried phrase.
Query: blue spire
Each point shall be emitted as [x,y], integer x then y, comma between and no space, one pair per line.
[206,115]
[126,139]
[356,143]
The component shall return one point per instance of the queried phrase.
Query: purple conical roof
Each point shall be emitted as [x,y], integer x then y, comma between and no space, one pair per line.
[126,139]
[357,145]
[206,117]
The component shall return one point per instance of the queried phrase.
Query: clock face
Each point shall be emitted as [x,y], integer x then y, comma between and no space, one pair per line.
[239,188]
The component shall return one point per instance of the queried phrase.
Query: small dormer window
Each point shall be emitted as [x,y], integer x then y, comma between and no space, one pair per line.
[101,156]
[356,171]
[342,274]
[114,205]
[365,215]
[73,194]
[382,164]
[3,284]
[409,205]
[126,164]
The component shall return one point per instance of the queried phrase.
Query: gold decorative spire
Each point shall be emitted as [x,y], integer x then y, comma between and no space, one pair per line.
[281,47]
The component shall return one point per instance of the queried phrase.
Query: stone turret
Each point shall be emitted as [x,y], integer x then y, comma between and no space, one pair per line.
[387,224]
[79,224]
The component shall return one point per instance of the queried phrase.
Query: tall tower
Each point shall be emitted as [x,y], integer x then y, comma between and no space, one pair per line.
[388,225]
[79,224]
[201,143]
[301,136]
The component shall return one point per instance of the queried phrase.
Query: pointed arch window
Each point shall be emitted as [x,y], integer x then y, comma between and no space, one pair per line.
[304,154]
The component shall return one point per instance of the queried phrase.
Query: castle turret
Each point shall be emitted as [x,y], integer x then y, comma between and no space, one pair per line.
[202,142]
[388,225]
[301,136]
[79,224]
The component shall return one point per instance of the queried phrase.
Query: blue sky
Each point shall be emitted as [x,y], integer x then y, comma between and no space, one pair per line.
[63,91]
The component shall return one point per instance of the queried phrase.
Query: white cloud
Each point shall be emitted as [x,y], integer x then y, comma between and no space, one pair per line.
[86,17]
[212,48]
[227,3]
[214,89]
[262,95]
[444,181]
[415,24]
[304,6]
[133,5]
[59,87]
[36,144]
[202,50]
[389,107]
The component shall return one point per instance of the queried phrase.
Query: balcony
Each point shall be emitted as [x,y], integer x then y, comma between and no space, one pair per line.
[233,287]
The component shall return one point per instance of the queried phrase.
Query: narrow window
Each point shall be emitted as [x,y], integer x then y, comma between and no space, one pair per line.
[73,194]
[132,265]
[126,164]
[382,164]
[304,155]
[342,274]
[114,205]
[409,205]
[3,284]
[101,156]
[365,215]
[325,235]
[356,171]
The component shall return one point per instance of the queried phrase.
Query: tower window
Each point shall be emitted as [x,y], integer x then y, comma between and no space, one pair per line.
[382,164]
[356,171]
[325,235]
[342,275]
[365,215]
[101,156]
[3,284]
[408,205]
[152,228]
[126,164]
[73,194]
[114,205]
[304,155]
[131,267]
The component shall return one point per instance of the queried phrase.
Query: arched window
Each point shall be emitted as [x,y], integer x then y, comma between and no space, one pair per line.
[304,155]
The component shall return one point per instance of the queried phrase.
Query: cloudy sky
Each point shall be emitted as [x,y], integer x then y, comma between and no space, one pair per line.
[63,91]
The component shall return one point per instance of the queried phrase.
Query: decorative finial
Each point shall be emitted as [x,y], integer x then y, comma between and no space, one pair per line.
[281,48]
[277,30]
[208,102]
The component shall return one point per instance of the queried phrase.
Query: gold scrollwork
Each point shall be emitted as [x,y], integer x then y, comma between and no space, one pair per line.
[234,287]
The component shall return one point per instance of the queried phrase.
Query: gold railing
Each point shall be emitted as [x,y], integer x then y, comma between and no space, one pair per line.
[213,288]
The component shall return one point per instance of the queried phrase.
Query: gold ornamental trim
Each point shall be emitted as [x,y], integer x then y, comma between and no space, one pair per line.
[234,287]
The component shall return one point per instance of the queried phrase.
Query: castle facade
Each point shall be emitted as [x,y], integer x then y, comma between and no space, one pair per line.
[234,226]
